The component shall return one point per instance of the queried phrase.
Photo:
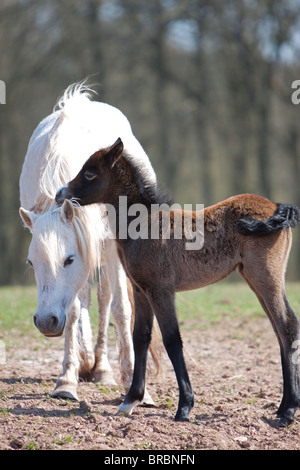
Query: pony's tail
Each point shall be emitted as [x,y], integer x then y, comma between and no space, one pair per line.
[285,216]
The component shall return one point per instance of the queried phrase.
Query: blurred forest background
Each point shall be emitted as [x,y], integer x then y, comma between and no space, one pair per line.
[206,85]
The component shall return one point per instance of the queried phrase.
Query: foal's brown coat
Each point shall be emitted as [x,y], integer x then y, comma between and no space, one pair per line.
[159,268]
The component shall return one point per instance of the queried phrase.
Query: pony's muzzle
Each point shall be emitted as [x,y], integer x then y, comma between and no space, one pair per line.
[49,325]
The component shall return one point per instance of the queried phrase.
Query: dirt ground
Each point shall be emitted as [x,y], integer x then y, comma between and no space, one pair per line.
[235,373]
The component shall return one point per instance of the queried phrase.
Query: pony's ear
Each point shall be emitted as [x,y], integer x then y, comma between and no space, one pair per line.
[114,153]
[67,211]
[27,217]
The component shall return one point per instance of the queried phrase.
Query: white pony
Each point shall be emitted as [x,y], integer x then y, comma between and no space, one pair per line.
[69,243]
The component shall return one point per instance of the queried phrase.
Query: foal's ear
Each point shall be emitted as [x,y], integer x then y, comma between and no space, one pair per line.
[67,211]
[114,153]
[27,217]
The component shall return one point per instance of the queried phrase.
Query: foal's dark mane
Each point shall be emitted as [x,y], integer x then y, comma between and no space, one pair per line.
[153,193]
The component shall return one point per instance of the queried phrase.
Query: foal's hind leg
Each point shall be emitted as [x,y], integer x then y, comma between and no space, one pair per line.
[285,324]
[290,366]
[268,284]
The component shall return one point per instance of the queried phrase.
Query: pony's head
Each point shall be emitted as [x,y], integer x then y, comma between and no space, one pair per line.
[63,253]
[92,184]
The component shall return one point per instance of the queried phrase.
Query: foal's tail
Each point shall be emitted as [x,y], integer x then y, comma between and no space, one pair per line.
[285,216]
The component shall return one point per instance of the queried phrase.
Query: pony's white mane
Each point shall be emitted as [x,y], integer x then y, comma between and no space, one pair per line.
[56,172]
[74,92]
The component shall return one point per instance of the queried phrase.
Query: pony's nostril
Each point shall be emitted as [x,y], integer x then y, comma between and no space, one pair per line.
[54,321]
[35,320]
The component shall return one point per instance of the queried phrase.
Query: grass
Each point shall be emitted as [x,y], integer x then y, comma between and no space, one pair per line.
[17,306]
[209,305]
[204,307]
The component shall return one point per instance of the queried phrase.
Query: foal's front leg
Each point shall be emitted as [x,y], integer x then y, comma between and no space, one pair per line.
[141,339]
[163,303]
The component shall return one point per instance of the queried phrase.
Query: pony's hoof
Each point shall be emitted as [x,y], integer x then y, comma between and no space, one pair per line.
[104,378]
[66,392]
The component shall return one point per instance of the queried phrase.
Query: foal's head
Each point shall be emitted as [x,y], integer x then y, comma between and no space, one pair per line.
[93,182]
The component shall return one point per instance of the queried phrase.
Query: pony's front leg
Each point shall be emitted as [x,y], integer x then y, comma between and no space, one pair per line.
[102,372]
[66,385]
[121,312]
[115,279]
[141,339]
[85,337]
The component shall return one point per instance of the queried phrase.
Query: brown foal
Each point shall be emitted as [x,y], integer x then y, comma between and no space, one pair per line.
[246,232]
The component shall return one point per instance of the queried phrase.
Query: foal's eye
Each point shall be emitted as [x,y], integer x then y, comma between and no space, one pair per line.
[68,261]
[90,175]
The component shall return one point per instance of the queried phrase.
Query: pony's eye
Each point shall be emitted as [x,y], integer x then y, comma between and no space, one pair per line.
[68,261]
[90,175]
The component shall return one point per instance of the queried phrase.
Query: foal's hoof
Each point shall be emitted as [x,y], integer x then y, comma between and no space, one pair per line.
[182,418]
[286,417]
[67,392]
[284,422]
[126,409]
[147,400]
[182,415]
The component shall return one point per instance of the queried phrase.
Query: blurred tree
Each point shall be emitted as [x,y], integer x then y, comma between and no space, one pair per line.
[205,84]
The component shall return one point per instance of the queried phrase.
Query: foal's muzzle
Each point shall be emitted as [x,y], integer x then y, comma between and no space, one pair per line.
[62,194]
